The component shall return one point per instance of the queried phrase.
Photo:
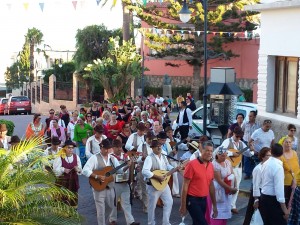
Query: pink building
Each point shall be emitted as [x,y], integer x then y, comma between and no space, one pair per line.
[245,65]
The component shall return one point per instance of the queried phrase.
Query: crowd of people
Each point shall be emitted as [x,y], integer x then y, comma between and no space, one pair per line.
[124,149]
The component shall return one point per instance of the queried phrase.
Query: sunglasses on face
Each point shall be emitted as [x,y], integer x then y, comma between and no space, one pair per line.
[293,130]
[268,121]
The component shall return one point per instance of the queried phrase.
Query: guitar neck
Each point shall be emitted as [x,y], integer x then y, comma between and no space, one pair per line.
[171,172]
[114,170]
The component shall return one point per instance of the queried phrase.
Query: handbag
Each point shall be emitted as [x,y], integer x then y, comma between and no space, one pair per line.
[256,218]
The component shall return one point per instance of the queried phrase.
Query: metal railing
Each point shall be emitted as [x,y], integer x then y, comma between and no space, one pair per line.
[45,93]
[63,91]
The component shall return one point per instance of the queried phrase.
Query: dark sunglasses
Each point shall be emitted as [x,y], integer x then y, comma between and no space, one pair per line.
[268,121]
[293,130]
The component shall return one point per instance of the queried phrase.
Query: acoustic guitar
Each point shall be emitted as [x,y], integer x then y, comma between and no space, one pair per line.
[108,172]
[167,174]
[236,160]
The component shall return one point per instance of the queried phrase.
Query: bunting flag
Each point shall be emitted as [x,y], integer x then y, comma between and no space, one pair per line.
[42,6]
[25,5]
[98,1]
[74,4]
[242,35]
[145,2]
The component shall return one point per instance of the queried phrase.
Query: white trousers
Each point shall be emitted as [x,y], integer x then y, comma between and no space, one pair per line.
[175,186]
[142,184]
[123,192]
[104,200]
[238,176]
[167,200]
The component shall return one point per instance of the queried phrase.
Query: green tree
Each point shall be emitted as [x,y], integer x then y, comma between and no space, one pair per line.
[34,37]
[63,73]
[91,44]
[12,76]
[28,192]
[118,69]
[223,16]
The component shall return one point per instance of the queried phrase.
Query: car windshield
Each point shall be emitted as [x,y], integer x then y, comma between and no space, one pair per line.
[19,99]
[4,100]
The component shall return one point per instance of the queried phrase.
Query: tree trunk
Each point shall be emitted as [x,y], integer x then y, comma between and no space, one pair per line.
[126,23]
[31,75]
[197,63]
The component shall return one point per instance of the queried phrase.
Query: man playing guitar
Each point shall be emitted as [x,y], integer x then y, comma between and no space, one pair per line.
[107,195]
[122,189]
[235,142]
[144,150]
[157,161]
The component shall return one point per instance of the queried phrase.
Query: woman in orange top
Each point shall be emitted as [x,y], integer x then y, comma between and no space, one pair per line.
[35,128]
[290,166]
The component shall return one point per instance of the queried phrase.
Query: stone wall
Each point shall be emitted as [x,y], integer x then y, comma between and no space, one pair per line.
[185,81]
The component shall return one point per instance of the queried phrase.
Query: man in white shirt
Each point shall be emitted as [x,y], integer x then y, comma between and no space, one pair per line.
[184,120]
[157,161]
[144,150]
[136,138]
[272,201]
[92,146]
[104,200]
[159,100]
[235,142]
[262,137]
[249,127]
[122,189]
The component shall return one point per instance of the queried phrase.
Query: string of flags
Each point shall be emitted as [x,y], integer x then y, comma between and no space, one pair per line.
[240,34]
[42,4]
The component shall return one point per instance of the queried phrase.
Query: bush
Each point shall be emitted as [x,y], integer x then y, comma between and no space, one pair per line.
[248,94]
[9,125]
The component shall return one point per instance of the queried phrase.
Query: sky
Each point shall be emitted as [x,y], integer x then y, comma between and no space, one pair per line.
[58,22]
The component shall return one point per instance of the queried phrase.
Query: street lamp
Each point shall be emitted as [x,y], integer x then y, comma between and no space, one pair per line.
[185,15]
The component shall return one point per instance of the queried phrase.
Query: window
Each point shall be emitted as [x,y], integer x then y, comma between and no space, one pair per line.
[286,85]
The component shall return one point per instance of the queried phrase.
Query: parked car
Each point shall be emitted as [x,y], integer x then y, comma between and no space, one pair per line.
[3,105]
[18,105]
[197,116]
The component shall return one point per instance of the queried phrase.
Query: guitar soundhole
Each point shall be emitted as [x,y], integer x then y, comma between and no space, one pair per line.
[107,174]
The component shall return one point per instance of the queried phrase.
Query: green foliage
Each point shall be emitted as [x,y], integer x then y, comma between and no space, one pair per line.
[248,94]
[176,91]
[116,71]
[29,194]
[63,73]
[9,125]
[91,44]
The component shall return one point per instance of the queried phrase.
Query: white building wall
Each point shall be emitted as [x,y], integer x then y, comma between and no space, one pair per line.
[279,37]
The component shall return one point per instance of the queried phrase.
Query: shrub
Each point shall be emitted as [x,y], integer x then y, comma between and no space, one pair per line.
[9,125]
[248,94]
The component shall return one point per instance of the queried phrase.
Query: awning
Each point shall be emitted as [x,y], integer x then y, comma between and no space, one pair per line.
[223,89]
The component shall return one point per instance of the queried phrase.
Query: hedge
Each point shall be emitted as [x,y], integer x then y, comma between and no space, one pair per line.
[9,125]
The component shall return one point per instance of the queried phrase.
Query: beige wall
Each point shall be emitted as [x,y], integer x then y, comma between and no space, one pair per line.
[43,107]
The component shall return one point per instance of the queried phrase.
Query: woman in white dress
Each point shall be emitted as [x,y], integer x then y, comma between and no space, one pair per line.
[225,184]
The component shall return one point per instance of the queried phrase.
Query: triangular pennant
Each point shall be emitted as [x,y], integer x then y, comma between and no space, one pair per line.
[182,31]
[98,1]
[190,32]
[155,30]
[221,33]
[191,1]
[160,1]
[74,4]
[8,6]
[150,30]
[42,6]
[25,4]
[145,2]
[235,34]
[198,32]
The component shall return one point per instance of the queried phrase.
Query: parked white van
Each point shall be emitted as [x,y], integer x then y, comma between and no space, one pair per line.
[197,127]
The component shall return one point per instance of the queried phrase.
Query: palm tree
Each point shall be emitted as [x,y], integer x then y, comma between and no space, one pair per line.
[28,194]
[33,37]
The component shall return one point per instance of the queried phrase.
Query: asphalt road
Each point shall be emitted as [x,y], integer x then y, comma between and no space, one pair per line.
[86,205]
